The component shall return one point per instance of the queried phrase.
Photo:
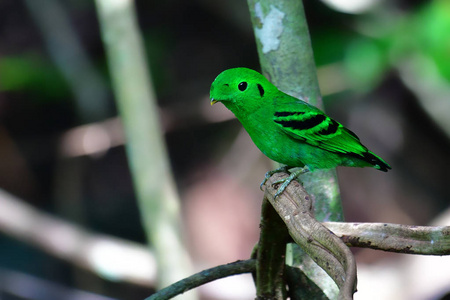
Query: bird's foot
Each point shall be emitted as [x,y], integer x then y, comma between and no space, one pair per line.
[286,181]
[270,173]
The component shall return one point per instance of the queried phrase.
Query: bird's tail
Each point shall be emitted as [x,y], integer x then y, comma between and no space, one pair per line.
[376,161]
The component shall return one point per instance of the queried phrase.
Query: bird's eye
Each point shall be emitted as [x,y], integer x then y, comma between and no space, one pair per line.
[242,86]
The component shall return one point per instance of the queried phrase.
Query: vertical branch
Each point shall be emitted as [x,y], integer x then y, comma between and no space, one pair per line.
[89,91]
[271,253]
[287,60]
[66,50]
[147,155]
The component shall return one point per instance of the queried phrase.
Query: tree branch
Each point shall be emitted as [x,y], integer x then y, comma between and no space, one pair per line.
[271,252]
[107,256]
[66,50]
[147,155]
[326,249]
[410,239]
[287,60]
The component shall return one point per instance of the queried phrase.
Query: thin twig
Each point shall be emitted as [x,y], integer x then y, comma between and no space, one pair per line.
[203,277]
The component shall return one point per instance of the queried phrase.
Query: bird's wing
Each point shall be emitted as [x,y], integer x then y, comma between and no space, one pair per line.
[317,129]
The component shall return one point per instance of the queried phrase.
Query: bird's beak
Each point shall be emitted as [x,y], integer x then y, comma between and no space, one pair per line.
[213,101]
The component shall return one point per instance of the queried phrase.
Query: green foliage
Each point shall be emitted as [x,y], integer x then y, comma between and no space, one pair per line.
[384,38]
[430,27]
[30,73]
[365,63]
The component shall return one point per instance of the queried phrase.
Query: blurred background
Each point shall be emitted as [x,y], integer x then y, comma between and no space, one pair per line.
[69,221]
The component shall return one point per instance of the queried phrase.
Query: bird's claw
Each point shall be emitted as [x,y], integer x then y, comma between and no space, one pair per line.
[286,181]
[270,173]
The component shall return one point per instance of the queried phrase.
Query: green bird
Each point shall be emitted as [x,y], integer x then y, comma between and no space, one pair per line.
[289,130]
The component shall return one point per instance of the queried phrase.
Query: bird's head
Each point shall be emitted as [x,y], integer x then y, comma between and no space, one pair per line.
[240,90]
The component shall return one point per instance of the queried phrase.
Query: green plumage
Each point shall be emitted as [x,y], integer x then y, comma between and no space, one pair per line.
[286,129]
